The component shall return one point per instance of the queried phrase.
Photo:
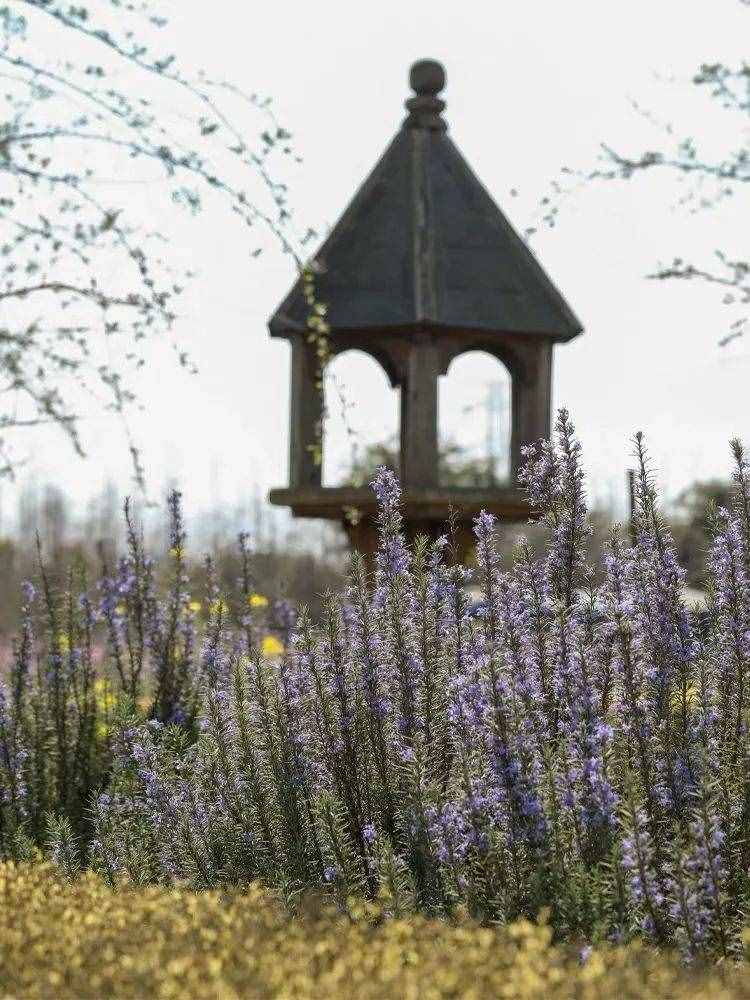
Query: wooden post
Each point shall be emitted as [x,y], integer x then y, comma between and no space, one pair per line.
[306,406]
[419,416]
[532,402]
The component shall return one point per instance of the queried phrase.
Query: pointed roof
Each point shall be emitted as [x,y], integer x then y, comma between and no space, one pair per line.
[422,243]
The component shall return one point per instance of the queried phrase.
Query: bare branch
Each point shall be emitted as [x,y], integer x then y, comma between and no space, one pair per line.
[106,273]
[101,299]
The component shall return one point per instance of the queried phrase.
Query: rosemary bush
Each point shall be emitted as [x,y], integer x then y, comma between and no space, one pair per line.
[559,744]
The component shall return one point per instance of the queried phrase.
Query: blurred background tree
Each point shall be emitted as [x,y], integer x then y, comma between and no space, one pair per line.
[688,514]
[285,560]
[457,469]
[710,176]
[102,126]
[691,525]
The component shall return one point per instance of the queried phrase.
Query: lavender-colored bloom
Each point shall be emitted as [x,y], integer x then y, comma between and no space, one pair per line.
[553,479]
[644,884]
[284,618]
[450,831]
[395,604]
[13,759]
[730,636]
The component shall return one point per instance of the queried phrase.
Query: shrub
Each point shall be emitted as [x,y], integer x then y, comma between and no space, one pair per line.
[82,939]
[555,745]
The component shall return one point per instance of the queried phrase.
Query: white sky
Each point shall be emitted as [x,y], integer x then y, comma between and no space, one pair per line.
[531,86]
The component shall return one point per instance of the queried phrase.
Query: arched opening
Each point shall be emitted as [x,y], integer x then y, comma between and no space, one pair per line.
[361,424]
[474,422]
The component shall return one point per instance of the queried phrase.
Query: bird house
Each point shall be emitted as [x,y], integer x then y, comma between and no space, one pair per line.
[422,267]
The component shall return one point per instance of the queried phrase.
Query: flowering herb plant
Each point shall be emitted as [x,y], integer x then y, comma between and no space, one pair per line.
[558,745]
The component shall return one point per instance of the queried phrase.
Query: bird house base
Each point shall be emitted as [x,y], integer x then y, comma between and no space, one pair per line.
[425,512]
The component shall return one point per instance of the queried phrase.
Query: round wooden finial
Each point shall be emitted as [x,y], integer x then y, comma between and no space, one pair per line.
[427,77]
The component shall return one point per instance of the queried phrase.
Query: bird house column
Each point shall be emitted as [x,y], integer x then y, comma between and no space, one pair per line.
[419,416]
[532,401]
[306,404]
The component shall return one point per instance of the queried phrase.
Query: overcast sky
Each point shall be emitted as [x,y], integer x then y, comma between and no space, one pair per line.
[532,86]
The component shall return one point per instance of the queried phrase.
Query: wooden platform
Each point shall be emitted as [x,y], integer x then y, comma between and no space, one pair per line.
[425,512]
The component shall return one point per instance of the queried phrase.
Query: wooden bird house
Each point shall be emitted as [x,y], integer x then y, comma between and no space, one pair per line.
[421,268]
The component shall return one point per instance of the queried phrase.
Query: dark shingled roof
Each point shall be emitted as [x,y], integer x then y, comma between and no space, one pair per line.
[422,243]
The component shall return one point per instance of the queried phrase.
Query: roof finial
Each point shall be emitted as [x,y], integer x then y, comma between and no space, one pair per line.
[427,79]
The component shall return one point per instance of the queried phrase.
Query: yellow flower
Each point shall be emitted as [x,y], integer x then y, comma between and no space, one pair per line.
[82,937]
[194,606]
[120,609]
[257,601]
[105,699]
[63,642]
[271,646]
[104,694]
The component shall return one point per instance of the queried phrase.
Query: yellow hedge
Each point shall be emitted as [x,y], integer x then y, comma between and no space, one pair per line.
[83,940]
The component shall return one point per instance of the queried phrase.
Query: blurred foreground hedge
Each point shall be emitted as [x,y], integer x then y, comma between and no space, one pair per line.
[83,939]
